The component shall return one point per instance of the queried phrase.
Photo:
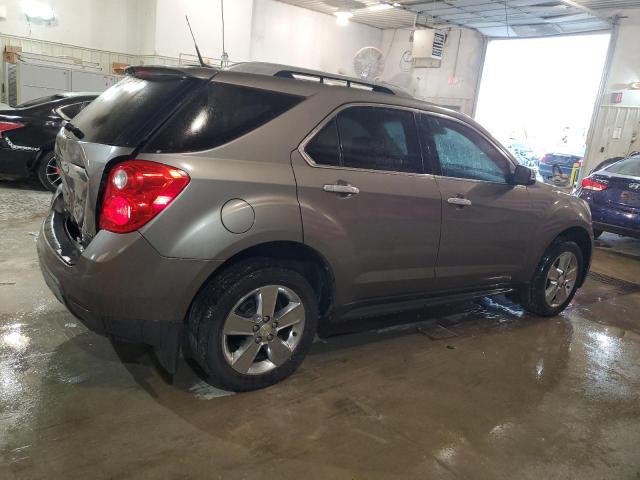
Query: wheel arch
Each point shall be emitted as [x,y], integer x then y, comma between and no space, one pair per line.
[583,239]
[305,260]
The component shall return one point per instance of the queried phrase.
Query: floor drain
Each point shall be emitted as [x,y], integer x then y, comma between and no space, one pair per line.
[436,332]
[619,285]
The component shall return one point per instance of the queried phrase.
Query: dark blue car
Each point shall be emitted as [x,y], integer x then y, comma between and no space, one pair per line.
[562,161]
[613,194]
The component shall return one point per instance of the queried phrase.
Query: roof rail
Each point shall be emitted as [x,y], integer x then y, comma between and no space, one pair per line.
[332,80]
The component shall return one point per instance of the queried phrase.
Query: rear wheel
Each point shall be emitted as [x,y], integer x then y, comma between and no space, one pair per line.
[252,326]
[555,281]
[48,171]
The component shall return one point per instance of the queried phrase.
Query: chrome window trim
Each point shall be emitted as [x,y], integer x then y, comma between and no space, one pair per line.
[303,144]
[61,114]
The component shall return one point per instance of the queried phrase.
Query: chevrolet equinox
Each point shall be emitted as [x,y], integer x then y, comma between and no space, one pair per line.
[227,214]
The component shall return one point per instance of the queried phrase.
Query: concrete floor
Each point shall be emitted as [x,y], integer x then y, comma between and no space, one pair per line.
[478,390]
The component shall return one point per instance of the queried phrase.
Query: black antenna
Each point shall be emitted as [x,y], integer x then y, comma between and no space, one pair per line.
[196,45]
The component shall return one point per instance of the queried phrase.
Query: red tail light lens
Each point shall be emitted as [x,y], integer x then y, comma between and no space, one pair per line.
[8,126]
[591,184]
[137,190]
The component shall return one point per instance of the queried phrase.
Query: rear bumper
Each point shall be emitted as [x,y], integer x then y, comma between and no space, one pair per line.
[119,285]
[613,220]
[624,231]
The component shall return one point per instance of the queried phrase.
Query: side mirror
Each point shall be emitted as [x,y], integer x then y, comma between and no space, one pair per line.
[523,176]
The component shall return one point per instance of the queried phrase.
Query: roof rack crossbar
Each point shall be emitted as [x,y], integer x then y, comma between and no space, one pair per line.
[323,78]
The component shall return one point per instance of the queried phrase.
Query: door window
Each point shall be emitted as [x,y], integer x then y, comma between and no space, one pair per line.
[371,138]
[462,152]
[324,148]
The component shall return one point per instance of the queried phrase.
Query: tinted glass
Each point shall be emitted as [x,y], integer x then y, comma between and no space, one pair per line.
[379,139]
[630,166]
[218,114]
[128,112]
[324,148]
[463,153]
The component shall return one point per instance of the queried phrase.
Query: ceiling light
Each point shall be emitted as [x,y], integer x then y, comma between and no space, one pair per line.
[380,6]
[343,17]
[37,10]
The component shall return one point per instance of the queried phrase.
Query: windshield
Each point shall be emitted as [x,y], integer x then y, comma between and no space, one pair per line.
[629,166]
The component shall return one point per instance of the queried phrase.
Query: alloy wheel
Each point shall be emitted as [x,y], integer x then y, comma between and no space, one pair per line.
[561,279]
[263,329]
[52,172]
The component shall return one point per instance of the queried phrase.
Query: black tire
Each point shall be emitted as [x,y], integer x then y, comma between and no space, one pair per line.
[44,174]
[215,302]
[597,233]
[533,298]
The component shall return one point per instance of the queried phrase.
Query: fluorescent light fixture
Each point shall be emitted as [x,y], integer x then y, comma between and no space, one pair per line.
[343,17]
[35,10]
[380,6]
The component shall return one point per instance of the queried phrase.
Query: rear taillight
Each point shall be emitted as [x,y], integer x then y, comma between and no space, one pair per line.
[8,126]
[544,159]
[137,190]
[591,184]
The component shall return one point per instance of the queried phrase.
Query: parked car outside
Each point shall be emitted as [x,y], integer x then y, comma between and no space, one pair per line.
[241,209]
[523,153]
[613,194]
[28,133]
[564,162]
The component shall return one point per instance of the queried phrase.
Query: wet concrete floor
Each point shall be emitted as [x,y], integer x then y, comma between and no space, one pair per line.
[477,390]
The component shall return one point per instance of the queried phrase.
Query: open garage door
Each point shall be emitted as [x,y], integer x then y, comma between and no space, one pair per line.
[537,96]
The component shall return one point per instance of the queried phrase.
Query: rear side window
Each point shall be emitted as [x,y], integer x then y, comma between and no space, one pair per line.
[69,111]
[630,166]
[372,138]
[218,114]
[127,113]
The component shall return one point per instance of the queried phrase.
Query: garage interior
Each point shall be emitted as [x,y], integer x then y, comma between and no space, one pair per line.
[478,389]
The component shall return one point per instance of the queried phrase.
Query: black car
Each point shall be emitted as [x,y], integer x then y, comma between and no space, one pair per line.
[28,134]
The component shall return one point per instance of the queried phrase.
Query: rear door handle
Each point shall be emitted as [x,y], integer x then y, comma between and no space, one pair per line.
[343,189]
[461,202]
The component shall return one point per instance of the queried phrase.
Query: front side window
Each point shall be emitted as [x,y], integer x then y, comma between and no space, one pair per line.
[371,138]
[463,153]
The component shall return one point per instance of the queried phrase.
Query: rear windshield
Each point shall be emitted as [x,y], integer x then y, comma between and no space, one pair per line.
[630,166]
[127,113]
[216,115]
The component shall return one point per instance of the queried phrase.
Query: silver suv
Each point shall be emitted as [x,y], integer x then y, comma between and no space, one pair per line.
[227,214]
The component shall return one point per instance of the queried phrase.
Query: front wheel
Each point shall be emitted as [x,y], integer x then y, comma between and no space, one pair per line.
[556,280]
[252,326]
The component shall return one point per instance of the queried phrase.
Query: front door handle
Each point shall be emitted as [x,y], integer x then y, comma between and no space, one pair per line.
[343,189]
[461,202]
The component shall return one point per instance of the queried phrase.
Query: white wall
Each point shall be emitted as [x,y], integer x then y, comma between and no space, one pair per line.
[453,83]
[296,36]
[112,25]
[172,35]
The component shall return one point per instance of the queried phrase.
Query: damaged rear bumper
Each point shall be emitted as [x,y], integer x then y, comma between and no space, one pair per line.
[120,286]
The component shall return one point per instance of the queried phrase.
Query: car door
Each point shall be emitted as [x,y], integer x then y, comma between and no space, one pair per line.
[486,228]
[367,204]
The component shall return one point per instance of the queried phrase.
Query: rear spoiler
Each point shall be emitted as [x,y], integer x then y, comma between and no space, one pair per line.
[159,72]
